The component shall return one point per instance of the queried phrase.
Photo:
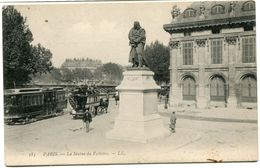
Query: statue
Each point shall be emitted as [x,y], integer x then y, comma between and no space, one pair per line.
[175,12]
[202,9]
[137,41]
[232,8]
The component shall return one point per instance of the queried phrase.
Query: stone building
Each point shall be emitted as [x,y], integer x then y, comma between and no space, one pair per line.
[213,55]
[82,63]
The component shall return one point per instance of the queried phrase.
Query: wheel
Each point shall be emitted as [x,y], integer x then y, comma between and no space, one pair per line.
[99,109]
[92,111]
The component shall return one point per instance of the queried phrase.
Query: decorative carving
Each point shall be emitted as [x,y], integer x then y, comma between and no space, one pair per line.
[174,44]
[175,12]
[232,8]
[202,11]
[231,40]
[201,42]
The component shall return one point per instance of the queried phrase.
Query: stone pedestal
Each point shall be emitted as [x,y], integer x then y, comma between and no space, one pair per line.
[138,119]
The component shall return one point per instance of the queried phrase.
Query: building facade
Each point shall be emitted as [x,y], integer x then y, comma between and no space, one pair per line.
[87,63]
[213,55]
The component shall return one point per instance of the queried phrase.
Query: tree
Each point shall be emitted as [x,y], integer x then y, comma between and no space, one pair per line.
[98,73]
[82,74]
[113,72]
[158,60]
[87,74]
[67,75]
[41,59]
[56,74]
[20,58]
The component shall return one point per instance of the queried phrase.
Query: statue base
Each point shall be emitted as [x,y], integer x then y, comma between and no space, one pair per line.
[138,118]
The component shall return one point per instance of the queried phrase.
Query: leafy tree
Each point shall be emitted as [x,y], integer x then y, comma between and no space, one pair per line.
[158,60]
[113,72]
[98,73]
[41,59]
[82,74]
[67,75]
[56,74]
[87,74]
[20,59]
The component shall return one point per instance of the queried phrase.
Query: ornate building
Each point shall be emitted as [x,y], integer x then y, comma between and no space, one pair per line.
[81,64]
[213,55]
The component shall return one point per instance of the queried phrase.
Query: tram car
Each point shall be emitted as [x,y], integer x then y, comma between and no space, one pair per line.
[31,104]
[90,99]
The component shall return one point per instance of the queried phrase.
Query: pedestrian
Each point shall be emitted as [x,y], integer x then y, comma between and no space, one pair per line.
[87,119]
[166,100]
[173,122]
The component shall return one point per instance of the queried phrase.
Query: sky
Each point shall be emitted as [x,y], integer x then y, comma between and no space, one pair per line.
[95,30]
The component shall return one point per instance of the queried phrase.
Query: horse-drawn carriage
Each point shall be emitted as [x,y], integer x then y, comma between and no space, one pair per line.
[91,99]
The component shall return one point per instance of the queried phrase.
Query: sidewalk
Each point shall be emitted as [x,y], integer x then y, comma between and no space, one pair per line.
[214,114]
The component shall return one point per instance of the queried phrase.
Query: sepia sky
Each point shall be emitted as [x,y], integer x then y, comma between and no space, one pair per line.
[95,30]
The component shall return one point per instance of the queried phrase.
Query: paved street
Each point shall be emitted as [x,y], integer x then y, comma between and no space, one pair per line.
[62,140]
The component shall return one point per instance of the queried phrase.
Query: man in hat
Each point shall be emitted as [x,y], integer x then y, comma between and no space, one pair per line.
[87,119]
[137,40]
[173,122]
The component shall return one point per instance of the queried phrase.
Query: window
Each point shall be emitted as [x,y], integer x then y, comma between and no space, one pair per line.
[217,9]
[216,30]
[217,89]
[248,89]
[189,13]
[248,6]
[248,50]
[248,28]
[216,51]
[188,53]
[31,100]
[189,89]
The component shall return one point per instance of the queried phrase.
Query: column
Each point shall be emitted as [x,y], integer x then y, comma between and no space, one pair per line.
[201,97]
[173,99]
[232,50]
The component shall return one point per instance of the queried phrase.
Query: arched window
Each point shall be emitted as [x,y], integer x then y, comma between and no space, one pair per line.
[189,88]
[217,9]
[189,13]
[248,89]
[248,6]
[217,89]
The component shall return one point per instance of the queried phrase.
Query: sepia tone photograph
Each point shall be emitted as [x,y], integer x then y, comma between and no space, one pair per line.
[120,82]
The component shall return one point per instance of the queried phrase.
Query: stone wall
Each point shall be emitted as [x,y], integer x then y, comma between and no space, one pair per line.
[202,71]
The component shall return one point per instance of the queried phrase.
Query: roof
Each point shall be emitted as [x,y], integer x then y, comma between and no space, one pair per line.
[21,91]
[80,63]
[202,15]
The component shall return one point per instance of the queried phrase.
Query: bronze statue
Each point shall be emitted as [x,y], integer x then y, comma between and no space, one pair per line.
[137,41]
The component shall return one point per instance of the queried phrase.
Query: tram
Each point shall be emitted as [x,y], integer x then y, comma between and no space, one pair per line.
[29,104]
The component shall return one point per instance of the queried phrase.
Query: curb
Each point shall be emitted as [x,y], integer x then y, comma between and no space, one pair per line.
[215,119]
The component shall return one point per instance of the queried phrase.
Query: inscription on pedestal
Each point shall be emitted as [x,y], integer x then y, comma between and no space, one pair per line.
[132,78]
